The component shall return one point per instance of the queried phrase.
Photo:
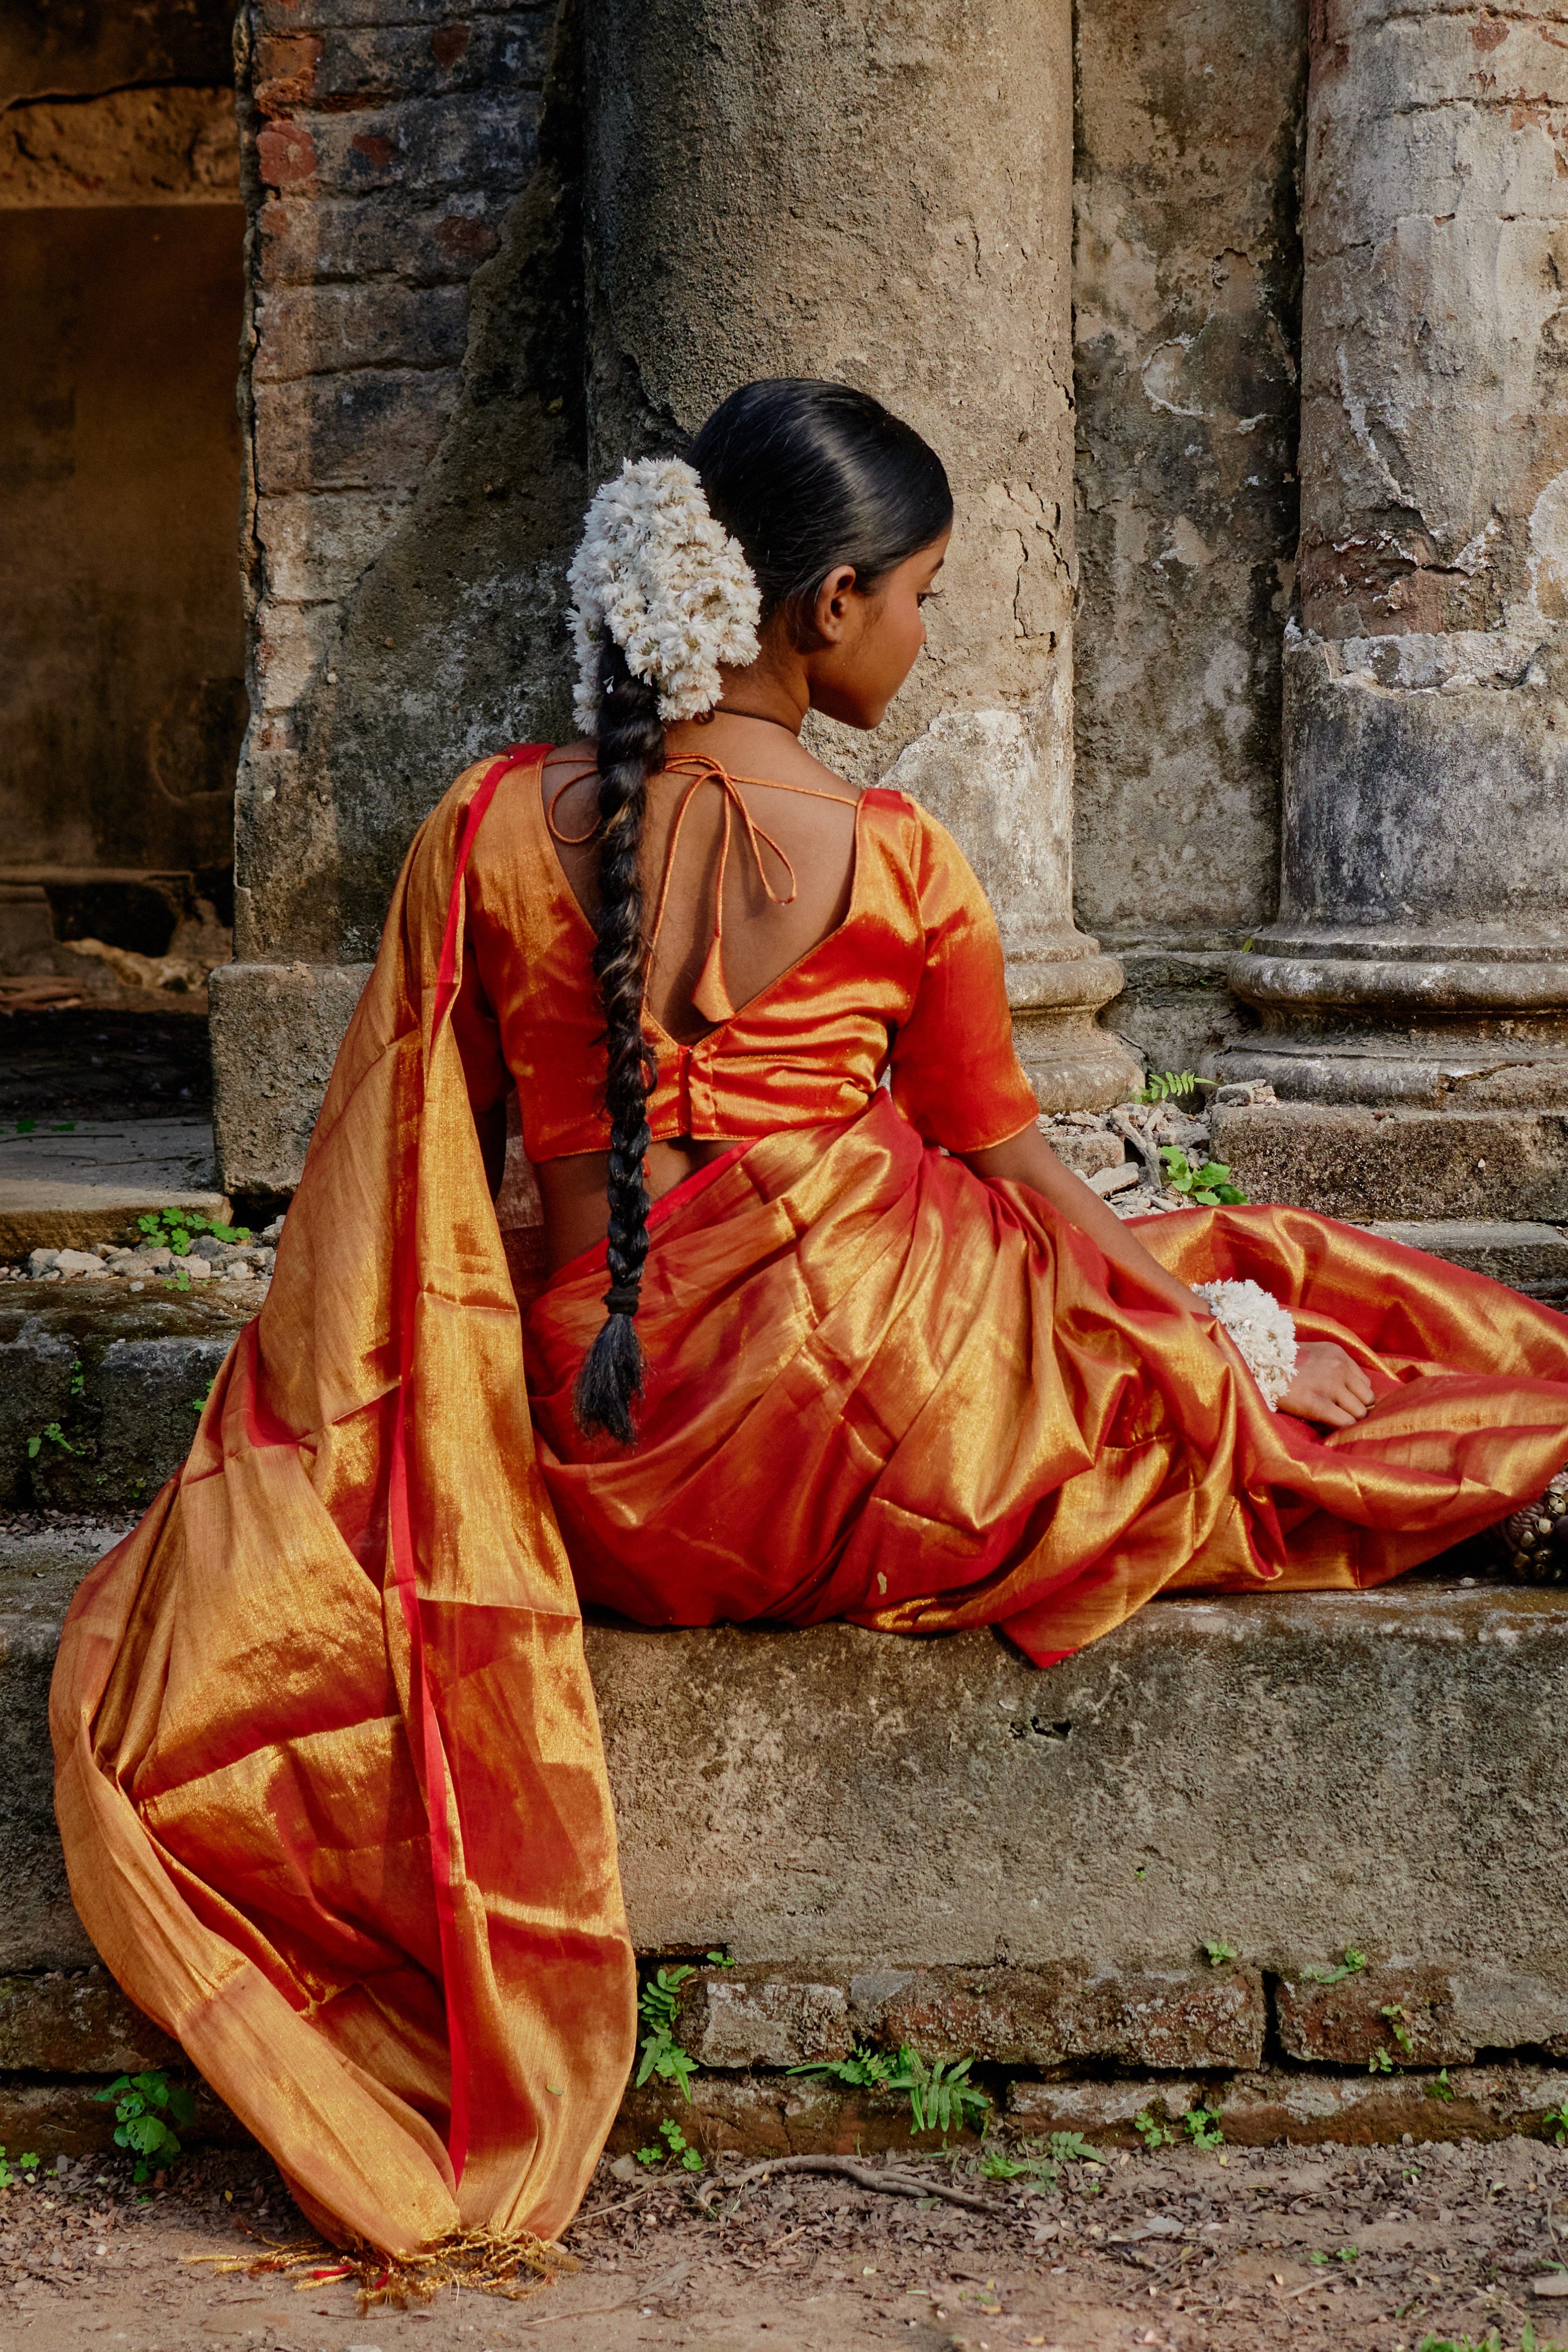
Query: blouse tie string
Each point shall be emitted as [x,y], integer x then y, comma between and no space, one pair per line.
[711,998]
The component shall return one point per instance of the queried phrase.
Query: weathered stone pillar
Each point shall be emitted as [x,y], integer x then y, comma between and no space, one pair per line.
[1419,962]
[883,196]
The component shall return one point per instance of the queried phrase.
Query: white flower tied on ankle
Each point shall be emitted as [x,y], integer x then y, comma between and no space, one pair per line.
[1263,1331]
[668,583]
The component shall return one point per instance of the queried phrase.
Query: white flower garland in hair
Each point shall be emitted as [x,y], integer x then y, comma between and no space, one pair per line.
[656,573]
[1262,1329]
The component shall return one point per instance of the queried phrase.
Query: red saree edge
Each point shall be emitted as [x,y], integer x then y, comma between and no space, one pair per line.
[438,1776]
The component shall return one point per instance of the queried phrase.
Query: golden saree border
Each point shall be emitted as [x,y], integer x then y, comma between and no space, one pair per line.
[329,1773]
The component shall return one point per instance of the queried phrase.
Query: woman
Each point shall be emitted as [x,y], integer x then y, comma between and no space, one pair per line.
[813,1345]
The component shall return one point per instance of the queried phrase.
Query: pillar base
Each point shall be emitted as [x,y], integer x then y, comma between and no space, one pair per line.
[276,1030]
[1471,1016]
[1072,1063]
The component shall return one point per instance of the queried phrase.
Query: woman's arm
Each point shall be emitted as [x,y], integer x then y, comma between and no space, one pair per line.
[1330,1385]
[1027,1159]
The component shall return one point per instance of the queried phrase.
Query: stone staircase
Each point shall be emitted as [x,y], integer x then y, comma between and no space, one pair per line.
[934,1841]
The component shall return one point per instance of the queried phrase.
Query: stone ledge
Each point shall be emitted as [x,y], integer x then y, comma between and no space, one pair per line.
[1293,1774]
[1529,1257]
[1347,1160]
[143,1362]
[932,1841]
[1002,2016]
[1263,2109]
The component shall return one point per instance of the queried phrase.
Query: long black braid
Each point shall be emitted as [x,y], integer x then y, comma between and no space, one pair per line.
[631,750]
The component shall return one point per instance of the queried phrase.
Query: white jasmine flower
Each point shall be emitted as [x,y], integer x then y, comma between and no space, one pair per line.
[668,583]
[1263,1331]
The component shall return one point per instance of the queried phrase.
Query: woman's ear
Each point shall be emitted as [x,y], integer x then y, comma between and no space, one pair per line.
[830,614]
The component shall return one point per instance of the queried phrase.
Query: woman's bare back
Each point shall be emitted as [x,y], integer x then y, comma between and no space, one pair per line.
[808,860]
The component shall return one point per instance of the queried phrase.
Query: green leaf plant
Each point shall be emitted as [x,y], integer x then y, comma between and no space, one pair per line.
[941,2095]
[176,1229]
[658,2006]
[144,2107]
[1209,1187]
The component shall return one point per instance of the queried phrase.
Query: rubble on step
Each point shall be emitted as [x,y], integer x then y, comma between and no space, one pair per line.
[1118,1152]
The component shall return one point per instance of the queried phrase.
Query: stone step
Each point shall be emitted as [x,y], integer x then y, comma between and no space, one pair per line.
[1348,1160]
[1138,1871]
[1531,1258]
[66,1184]
[117,1375]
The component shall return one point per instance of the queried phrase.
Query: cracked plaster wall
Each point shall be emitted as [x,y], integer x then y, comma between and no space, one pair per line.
[1186,290]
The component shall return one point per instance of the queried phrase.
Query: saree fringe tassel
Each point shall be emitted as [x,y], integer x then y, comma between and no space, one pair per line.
[475,2259]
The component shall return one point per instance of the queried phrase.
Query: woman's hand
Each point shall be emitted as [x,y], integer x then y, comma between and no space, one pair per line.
[1328,1386]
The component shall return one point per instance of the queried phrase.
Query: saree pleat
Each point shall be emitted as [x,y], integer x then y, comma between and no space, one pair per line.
[329,1779]
[881,1389]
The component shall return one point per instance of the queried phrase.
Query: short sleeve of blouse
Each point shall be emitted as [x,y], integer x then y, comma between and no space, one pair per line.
[953,1072]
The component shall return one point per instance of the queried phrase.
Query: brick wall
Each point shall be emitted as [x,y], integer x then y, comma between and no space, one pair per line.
[385,141]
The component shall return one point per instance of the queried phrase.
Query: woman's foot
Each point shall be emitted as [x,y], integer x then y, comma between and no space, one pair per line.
[1533,1543]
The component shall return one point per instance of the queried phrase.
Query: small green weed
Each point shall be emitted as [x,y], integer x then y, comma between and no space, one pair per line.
[1345,2254]
[1399,2022]
[941,2097]
[78,1379]
[1555,2120]
[1380,2063]
[142,2102]
[1153,2135]
[1041,2160]
[1441,2088]
[863,2070]
[56,1436]
[1209,1186]
[658,2006]
[25,2164]
[1166,1087]
[199,1404]
[1202,2126]
[1351,1965]
[1216,1951]
[676,2146]
[178,1228]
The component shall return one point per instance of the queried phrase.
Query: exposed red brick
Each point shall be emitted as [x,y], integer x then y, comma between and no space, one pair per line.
[1042,2017]
[377,149]
[286,70]
[466,240]
[447,43]
[286,154]
[1345,2024]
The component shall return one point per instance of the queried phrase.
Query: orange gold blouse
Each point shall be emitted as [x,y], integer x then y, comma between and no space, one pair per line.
[911,982]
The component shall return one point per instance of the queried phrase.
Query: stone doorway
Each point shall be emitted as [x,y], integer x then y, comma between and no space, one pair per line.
[121,663]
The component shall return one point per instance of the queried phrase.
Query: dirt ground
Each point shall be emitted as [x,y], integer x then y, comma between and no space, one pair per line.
[1383,2249]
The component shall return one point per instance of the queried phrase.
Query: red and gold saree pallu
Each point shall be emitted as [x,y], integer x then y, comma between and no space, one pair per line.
[329,1774]
[883,1389]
